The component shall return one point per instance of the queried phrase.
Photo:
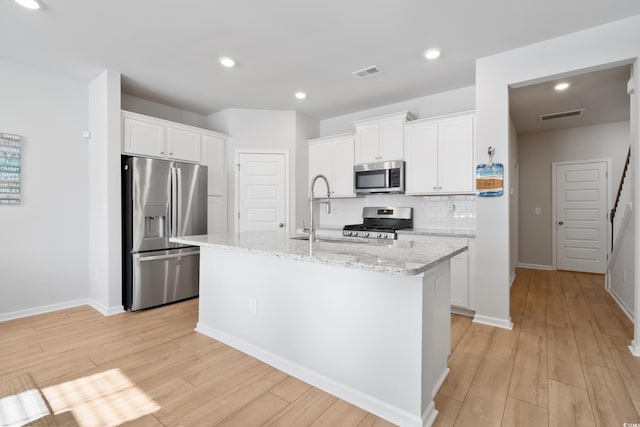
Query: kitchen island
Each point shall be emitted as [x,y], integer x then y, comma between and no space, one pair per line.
[367,322]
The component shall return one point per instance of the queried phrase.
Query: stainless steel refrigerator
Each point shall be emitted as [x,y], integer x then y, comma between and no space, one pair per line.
[161,199]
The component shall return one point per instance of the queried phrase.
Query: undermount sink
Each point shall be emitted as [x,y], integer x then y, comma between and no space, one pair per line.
[327,240]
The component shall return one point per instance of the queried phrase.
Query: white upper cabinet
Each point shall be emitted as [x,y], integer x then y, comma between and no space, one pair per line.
[152,137]
[142,137]
[332,157]
[184,145]
[439,155]
[381,138]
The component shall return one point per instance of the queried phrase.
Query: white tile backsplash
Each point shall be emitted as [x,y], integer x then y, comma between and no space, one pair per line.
[457,212]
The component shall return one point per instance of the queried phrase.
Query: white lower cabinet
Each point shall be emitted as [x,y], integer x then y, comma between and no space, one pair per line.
[460,280]
[459,269]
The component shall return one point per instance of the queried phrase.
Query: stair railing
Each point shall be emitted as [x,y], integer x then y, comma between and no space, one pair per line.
[612,214]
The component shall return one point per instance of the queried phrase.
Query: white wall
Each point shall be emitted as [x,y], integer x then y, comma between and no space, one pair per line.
[44,240]
[452,101]
[305,126]
[105,224]
[269,130]
[614,43]
[161,111]
[536,153]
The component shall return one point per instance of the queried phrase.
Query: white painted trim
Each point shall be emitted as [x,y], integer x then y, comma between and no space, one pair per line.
[462,311]
[534,266]
[429,415]
[43,309]
[634,348]
[618,300]
[364,401]
[103,309]
[493,321]
[236,179]
[440,381]
[554,174]
[513,279]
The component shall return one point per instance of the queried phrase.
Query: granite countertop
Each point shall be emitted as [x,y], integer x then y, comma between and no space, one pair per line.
[405,258]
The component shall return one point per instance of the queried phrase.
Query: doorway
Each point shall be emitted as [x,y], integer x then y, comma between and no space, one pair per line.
[580,203]
[262,190]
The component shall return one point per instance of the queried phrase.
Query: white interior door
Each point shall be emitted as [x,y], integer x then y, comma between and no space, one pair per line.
[262,198]
[581,216]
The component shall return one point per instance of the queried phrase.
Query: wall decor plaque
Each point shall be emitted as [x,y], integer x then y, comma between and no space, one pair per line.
[10,166]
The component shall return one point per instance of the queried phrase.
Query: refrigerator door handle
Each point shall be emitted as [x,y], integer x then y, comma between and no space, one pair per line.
[179,205]
[141,258]
[174,202]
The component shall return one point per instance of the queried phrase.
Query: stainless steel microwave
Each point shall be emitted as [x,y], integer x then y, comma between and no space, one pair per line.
[379,177]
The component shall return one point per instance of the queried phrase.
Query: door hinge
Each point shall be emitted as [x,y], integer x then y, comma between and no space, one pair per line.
[238,166]
[238,215]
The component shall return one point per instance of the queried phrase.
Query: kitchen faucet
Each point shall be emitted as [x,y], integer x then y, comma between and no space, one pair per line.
[312,230]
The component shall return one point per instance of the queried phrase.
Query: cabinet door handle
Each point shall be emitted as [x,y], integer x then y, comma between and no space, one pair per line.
[435,188]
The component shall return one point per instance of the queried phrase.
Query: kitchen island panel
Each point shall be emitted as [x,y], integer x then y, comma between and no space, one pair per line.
[377,340]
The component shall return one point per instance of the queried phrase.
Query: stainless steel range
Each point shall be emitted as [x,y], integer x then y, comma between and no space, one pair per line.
[380,223]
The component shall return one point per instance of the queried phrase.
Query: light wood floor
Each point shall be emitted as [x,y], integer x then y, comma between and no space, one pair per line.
[564,364]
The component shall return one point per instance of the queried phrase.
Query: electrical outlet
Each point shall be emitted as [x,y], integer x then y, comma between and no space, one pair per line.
[538,211]
[253,305]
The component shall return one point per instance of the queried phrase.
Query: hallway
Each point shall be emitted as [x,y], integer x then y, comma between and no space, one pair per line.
[565,363]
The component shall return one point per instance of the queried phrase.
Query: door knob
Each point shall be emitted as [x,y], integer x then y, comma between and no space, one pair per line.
[281,225]
[560,222]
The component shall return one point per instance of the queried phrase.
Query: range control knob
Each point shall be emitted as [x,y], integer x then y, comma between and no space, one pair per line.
[366,234]
[355,233]
[379,235]
[386,235]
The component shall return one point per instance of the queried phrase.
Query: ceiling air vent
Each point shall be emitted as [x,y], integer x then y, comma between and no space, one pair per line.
[563,115]
[367,72]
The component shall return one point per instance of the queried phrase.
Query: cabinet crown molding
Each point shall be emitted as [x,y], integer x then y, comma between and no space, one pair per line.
[407,115]
[331,137]
[175,125]
[442,117]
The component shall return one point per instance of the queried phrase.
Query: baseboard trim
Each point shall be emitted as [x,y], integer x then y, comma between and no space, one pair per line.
[18,314]
[618,301]
[440,381]
[535,266]
[364,401]
[634,348]
[513,279]
[462,311]
[44,309]
[103,309]
[493,321]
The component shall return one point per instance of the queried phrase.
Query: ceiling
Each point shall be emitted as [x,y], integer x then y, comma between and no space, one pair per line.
[167,51]
[602,95]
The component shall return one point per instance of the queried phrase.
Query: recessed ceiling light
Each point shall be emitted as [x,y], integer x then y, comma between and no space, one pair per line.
[226,61]
[432,53]
[561,86]
[29,4]
[300,95]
